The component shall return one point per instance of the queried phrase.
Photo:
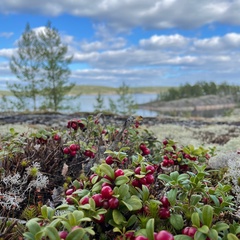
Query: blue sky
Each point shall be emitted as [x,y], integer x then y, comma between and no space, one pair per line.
[143,43]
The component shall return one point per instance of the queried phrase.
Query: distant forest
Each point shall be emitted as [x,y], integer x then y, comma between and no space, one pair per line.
[200,89]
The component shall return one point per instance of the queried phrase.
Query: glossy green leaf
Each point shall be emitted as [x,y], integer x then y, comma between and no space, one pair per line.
[33,227]
[213,234]
[121,180]
[177,221]
[182,237]
[118,218]
[204,229]
[52,233]
[107,170]
[195,219]
[150,229]
[231,236]
[207,215]
[77,234]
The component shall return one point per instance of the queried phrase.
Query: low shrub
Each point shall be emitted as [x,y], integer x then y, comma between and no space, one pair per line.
[92,180]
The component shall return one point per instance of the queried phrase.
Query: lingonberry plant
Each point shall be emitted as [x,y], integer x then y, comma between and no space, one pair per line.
[116,182]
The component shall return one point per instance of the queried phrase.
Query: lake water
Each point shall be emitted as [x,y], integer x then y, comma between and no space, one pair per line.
[85,103]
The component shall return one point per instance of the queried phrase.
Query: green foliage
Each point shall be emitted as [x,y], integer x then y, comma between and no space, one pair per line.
[125,104]
[119,183]
[200,89]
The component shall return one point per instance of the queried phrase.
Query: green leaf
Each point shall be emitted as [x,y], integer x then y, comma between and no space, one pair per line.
[145,193]
[207,215]
[33,227]
[135,202]
[150,229]
[183,177]
[182,237]
[199,236]
[164,177]
[44,211]
[172,196]
[107,170]
[132,220]
[195,219]
[195,199]
[123,190]
[29,236]
[118,218]
[130,208]
[177,221]
[231,236]
[52,233]
[213,234]
[174,175]
[77,234]
[220,226]
[72,219]
[121,180]
[204,229]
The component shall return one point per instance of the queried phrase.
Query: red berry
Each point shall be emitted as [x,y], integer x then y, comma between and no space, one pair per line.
[142,146]
[109,160]
[150,169]
[66,150]
[165,142]
[164,213]
[73,147]
[150,178]
[113,203]
[69,201]
[84,200]
[189,231]
[164,201]
[69,191]
[118,172]
[98,199]
[105,204]
[141,238]
[56,137]
[146,152]
[143,180]
[73,153]
[63,234]
[164,235]
[137,170]
[136,183]
[107,192]
[129,235]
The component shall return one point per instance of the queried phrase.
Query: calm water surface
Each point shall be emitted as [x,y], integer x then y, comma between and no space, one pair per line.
[86,103]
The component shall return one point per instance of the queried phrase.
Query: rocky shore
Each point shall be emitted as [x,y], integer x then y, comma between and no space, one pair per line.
[59,120]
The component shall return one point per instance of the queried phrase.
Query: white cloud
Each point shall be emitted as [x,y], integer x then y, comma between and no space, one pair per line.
[127,14]
[7,52]
[164,41]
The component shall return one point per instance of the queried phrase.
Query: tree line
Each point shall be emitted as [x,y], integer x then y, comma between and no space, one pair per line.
[199,89]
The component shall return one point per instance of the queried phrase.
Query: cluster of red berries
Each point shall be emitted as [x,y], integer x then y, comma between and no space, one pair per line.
[75,124]
[164,212]
[71,150]
[147,179]
[89,153]
[145,150]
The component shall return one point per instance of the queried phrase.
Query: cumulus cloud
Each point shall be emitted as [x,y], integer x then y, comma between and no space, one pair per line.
[163,41]
[127,14]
